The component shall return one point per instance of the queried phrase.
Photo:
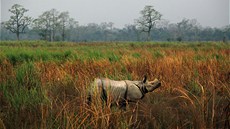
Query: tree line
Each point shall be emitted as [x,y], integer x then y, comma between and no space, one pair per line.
[53,25]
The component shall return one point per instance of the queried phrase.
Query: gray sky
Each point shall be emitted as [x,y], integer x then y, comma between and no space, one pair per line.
[214,13]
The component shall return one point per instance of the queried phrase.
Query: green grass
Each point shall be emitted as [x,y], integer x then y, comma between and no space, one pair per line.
[44,84]
[26,51]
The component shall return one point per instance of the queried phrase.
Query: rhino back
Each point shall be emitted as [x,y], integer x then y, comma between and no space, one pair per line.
[115,90]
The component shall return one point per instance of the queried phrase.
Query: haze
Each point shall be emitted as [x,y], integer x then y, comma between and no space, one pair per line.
[213,13]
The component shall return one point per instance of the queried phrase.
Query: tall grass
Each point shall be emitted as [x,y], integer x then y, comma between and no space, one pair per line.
[44,85]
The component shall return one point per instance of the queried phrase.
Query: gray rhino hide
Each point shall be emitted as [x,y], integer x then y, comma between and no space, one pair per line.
[118,91]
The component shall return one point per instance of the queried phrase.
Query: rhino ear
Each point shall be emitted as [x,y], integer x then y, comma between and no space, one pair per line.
[144,79]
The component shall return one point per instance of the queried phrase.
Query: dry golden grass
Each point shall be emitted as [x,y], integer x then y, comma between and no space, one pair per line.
[195,90]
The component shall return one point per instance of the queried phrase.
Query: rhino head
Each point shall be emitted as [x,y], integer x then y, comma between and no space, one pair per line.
[150,85]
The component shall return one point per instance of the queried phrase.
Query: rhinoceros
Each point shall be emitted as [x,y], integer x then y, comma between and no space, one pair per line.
[121,92]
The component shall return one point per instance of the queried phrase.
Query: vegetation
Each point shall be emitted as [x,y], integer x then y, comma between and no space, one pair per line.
[17,22]
[148,19]
[44,85]
[53,25]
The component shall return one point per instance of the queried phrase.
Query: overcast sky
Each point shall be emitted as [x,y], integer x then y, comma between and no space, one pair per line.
[214,13]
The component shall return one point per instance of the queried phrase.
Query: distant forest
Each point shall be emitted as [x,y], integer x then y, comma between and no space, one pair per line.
[53,25]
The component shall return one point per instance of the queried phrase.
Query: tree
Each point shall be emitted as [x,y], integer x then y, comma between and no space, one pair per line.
[43,25]
[17,22]
[53,26]
[188,29]
[107,29]
[54,23]
[226,31]
[48,24]
[148,19]
[71,32]
[129,33]
[64,18]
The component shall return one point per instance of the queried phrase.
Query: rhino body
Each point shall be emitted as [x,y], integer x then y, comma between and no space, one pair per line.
[121,92]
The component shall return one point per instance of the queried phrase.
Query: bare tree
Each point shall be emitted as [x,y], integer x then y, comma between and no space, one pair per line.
[148,19]
[17,22]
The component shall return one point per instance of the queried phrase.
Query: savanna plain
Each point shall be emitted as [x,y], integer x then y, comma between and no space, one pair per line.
[44,84]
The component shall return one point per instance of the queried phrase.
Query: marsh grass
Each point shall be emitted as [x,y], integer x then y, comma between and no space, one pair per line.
[44,85]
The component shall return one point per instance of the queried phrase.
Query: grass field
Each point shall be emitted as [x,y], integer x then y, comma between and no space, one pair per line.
[44,85]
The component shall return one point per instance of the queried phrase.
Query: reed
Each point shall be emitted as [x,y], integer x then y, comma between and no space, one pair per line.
[44,85]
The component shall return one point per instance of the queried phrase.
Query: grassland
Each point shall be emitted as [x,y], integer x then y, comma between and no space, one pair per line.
[44,85]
